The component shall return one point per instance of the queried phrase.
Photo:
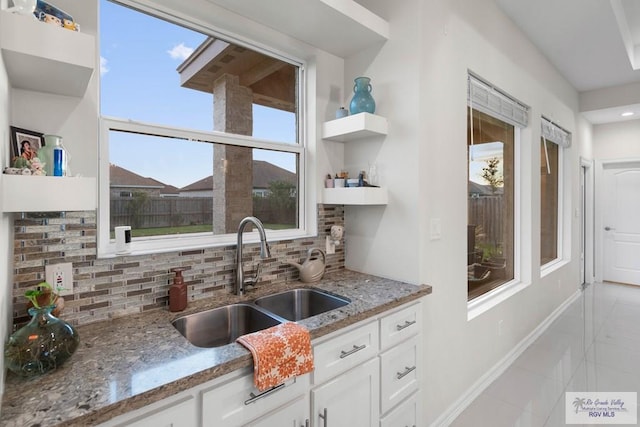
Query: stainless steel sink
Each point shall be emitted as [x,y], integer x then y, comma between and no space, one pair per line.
[221,326]
[298,304]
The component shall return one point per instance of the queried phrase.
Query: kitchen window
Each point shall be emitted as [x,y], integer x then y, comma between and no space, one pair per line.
[200,130]
[493,123]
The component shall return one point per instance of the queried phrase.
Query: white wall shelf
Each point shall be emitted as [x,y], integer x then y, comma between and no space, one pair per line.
[355,196]
[45,58]
[356,126]
[340,27]
[48,193]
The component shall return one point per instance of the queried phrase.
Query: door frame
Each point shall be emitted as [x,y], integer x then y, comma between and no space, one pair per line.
[587,221]
[599,216]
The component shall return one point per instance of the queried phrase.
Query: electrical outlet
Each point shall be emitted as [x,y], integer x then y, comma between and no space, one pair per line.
[60,276]
[330,246]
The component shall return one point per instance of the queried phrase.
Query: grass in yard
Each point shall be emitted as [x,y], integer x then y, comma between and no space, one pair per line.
[186,229]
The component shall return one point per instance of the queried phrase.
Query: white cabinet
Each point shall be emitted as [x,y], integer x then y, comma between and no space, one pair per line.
[295,414]
[171,412]
[236,402]
[400,373]
[351,399]
[405,415]
[341,353]
[46,58]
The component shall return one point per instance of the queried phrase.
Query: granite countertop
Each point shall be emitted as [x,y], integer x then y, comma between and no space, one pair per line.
[130,362]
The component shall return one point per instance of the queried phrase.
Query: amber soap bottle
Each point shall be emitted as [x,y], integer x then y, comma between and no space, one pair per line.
[178,292]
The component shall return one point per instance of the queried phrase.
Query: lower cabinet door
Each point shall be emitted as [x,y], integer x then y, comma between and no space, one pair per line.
[181,413]
[351,399]
[406,414]
[295,414]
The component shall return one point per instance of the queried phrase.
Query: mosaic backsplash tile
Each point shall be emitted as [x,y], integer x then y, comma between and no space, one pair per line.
[115,287]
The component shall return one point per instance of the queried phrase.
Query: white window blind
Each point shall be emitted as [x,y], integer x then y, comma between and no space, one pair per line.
[553,133]
[490,100]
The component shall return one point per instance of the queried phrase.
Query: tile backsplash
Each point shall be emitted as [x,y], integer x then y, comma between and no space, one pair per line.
[113,287]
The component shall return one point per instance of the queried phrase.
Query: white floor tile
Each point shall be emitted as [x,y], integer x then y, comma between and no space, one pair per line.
[487,411]
[528,390]
[593,346]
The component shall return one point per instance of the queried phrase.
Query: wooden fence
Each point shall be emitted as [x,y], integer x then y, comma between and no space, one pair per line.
[155,212]
[487,215]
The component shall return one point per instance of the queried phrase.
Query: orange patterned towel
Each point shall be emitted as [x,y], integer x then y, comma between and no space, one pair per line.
[279,353]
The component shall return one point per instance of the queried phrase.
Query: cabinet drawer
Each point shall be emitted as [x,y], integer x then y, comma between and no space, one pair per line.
[400,325]
[400,373]
[166,413]
[405,415]
[238,401]
[338,354]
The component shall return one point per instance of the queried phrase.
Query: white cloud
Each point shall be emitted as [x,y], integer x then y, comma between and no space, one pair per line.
[180,51]
[103,66]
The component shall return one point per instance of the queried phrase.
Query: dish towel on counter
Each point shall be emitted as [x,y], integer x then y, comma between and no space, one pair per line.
[279,353]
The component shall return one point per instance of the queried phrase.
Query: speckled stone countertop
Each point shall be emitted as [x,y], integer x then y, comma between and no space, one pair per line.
[129,362]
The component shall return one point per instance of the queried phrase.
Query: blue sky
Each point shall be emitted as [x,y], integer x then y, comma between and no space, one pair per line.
[139,81]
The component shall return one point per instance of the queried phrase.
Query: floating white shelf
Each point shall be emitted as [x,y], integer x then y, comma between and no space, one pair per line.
[340,27]
[45,58]
[357,126]
[48,193]
[355,196]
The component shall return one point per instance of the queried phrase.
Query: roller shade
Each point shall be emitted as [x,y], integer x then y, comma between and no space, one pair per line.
[553,133]
[490,100]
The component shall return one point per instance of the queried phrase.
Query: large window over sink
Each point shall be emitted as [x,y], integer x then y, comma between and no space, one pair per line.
[200,131]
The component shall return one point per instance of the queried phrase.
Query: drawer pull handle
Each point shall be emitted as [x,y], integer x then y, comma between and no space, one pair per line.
[407,371]
[253,397]
[355,349]
[324,416]
[406,325]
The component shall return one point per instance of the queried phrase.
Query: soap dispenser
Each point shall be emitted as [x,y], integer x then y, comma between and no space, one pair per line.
[178,292]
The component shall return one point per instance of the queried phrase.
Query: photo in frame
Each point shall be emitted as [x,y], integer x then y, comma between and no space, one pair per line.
[25,143]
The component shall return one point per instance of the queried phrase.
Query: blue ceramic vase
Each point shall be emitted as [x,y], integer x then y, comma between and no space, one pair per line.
[362,101]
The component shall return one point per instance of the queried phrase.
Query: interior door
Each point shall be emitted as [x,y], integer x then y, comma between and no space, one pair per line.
[621,236]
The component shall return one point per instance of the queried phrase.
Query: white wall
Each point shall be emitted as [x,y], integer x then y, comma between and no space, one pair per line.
[617,140]
[421,81]
[6,228]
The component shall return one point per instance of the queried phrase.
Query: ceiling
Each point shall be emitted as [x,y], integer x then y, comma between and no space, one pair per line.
[595,44]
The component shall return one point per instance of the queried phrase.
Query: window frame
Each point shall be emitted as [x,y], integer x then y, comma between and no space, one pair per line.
[307,215]
[552,265]
[488,300]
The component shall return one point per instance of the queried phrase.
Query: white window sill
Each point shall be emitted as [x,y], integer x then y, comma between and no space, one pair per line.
[486,302]
[552,266]
[164,244]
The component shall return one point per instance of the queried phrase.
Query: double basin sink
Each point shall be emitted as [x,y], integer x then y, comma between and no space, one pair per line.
[221,326]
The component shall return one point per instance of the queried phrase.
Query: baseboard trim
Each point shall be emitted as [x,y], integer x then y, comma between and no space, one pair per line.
[455,409]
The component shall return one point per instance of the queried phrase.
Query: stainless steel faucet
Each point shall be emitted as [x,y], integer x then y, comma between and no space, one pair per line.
[264,253]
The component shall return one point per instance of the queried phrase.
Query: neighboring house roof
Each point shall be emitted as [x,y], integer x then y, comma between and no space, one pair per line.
[483,190]
[264,173]
[121,177]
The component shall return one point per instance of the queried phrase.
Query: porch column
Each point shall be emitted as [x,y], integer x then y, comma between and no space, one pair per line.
[232,166]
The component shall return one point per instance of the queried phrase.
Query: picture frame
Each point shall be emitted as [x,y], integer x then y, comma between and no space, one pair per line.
[18,138]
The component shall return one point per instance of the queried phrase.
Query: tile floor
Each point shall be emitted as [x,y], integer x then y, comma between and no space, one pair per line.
[593,346]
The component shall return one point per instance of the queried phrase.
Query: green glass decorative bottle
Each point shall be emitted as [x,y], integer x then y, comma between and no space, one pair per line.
[41,345]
